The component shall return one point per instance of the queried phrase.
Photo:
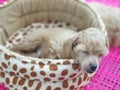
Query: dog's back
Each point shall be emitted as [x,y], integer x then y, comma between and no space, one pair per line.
[111,19]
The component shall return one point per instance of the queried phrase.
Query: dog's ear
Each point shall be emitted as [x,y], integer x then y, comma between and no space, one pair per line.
[107,42]
[75,42]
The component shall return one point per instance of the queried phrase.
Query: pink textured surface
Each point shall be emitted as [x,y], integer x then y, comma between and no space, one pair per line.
[114,3]
[2,87]
[2,1]
[108,75]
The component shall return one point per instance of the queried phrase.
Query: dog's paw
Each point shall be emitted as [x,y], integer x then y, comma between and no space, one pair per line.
[49,53]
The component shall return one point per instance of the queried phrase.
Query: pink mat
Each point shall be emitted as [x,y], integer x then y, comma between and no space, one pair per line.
[2,1]
[108,75]
[114,3]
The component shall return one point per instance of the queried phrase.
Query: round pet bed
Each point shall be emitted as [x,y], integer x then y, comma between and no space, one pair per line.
[18,72]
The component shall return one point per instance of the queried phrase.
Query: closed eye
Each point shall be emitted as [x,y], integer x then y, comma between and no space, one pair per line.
[100,55]
[86,52]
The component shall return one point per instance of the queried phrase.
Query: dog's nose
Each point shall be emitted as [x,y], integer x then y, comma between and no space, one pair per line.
[92,68]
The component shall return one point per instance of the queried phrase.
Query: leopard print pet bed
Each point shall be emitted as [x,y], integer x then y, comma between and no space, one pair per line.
[18,72]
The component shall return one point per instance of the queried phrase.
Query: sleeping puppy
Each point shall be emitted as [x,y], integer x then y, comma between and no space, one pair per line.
[111,19]
[87,46]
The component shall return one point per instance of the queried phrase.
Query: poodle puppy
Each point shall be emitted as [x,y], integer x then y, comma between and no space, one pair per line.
[111,20]
[86,46]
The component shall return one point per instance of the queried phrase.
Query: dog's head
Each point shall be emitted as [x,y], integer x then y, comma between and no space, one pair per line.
[88,47]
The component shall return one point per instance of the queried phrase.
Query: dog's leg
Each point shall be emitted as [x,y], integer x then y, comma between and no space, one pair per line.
[25,46]
[49,53]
